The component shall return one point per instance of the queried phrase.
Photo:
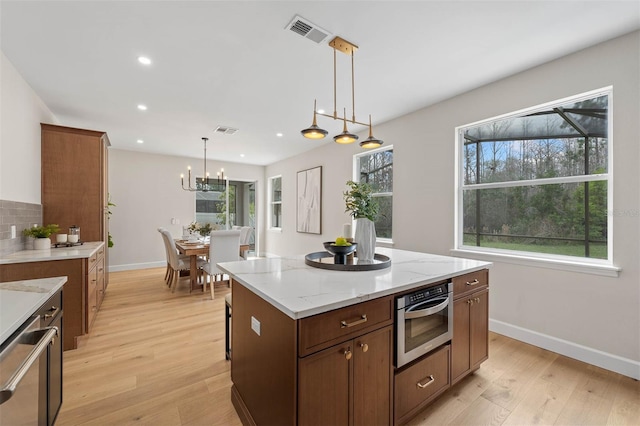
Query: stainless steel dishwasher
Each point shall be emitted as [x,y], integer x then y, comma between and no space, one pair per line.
[21,363]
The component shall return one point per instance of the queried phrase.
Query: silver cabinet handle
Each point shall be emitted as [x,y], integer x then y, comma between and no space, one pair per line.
[54,310]
[9,388]
[474,282]
[424,385]
[344,324]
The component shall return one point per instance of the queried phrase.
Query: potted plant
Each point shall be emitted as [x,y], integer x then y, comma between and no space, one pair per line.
[41,235]
[364,209]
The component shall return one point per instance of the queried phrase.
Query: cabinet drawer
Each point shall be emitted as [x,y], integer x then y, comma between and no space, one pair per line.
[420,383]
[100,253]
[324,330]
[470,282]
[92,291]
[92,262]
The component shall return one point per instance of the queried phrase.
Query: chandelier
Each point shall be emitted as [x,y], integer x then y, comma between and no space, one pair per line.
[204,184]
[315,132]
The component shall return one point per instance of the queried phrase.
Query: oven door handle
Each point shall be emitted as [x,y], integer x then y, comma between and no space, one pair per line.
[9,388]
[410,314]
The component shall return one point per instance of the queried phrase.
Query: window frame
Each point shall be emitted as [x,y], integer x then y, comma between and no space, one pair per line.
[273,203]
[356,178]
[573,263]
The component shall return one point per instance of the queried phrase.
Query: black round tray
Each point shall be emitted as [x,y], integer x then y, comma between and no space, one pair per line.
[325,260]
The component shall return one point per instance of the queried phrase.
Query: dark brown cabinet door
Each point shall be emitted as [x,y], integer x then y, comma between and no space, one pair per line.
[323,386]
[470,343]
[461,339]
[479,326]
[372,378]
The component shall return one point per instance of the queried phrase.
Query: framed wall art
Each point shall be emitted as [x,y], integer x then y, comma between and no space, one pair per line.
[309,201]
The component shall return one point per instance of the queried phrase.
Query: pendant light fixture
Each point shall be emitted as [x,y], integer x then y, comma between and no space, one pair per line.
[205,185]
[345,137]
[315,132]
[371,142]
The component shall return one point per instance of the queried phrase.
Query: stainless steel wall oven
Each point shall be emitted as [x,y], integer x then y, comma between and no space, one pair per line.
[424,321]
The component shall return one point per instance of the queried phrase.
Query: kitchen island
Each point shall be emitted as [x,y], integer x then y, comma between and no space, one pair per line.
[315,346]
[84,267]
[31,317]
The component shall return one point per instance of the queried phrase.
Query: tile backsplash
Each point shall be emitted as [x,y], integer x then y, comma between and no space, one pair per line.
[22,215]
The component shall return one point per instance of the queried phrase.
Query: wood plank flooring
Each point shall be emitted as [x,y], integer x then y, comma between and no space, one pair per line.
[155,357]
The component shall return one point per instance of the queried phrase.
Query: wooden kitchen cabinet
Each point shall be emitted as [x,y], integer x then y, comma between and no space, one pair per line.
[74,181]
[95,285]
[419,383]
[83,291]
[470,343]
[349,383]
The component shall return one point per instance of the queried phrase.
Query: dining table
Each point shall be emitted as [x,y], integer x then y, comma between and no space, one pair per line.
[193,249]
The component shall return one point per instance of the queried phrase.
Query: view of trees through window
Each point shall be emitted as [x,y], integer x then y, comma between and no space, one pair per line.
[376,169]
[538,182]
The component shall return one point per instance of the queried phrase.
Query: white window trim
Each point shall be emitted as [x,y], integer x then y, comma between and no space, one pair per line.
[388,242]
[272,203]
[566,263]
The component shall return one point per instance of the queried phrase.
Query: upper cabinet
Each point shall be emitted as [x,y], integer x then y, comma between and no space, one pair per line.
[74,180]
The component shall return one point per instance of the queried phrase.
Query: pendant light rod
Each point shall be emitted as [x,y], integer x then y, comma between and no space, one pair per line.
[353,96]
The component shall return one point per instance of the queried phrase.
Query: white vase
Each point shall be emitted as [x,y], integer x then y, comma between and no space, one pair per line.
[366,239]
[42,243]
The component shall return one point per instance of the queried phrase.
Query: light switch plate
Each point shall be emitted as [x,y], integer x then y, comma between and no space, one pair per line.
[255,325]
[13,231]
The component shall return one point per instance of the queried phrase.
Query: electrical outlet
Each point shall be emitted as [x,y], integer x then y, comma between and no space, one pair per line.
[13,231]
[255,325]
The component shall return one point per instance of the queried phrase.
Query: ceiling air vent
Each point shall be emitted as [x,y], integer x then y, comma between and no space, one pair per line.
[307,29]
[225,130]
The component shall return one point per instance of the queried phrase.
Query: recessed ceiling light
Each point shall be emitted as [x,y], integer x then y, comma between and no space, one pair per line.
[140,141]
[142,107]
[242,155]
[320,111]
[144,60]
[279,135]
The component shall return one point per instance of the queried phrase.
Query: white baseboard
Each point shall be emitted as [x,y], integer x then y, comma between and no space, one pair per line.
[132,266]
[624,366]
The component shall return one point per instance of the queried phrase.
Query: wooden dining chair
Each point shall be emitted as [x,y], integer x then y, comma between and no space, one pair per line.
[224,246]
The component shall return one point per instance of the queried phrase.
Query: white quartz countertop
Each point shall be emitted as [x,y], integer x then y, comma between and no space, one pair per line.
[19,300]
[300,290]
[83,251]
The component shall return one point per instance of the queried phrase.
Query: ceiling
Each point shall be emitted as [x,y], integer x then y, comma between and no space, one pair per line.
[235,64]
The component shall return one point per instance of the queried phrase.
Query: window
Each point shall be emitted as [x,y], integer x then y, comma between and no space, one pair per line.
[275,200]
[376,168]
[537,182]
[211,204]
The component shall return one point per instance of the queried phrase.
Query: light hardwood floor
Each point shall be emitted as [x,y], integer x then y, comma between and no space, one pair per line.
[156,357]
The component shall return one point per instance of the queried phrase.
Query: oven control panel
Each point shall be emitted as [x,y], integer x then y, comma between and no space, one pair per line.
[424,294]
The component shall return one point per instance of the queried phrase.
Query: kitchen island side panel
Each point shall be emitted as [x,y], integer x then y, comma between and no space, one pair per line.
[73,294]
[263,366]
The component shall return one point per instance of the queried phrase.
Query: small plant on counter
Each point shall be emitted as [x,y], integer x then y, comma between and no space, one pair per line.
[359,201]
[109,205]
[41,231]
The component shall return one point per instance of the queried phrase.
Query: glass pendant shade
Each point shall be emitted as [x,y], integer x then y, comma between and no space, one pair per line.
[371,141]
[345,137]
[313,131]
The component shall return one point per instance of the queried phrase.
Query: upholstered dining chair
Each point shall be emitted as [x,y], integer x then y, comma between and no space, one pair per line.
[224,246]
[171,246]
[176,263]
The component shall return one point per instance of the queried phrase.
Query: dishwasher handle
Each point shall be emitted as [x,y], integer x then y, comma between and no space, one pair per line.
[9,388]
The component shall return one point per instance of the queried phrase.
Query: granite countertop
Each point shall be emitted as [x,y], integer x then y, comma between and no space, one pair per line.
[19,300]
[83,251]
[299,290]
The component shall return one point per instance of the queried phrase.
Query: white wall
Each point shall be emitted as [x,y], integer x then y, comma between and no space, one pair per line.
[147,193]
[585,316]
[21,112]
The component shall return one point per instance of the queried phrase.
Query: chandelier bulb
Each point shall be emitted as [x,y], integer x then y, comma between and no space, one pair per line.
[314,132]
